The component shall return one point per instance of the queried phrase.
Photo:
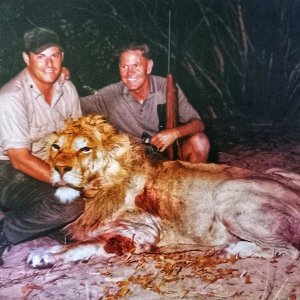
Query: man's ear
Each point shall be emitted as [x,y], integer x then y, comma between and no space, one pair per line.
[26,58]
[149,66]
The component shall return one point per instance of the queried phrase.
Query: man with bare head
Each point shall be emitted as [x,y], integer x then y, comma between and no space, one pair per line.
[131,106]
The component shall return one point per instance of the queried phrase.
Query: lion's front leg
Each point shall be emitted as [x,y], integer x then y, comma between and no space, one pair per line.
[103,247]
[44,257]
[114,239]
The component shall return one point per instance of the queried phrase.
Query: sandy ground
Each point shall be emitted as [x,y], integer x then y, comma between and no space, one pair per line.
[182,275]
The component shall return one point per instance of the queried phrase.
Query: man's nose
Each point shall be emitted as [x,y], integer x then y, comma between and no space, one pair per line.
[130,70]
[49,62]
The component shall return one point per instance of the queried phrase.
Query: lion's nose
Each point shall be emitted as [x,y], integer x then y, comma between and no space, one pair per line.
[62,169]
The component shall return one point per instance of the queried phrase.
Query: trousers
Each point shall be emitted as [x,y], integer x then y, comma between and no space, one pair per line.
[30,207]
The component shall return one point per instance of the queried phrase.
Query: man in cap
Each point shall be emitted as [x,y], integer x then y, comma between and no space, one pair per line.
[32,105]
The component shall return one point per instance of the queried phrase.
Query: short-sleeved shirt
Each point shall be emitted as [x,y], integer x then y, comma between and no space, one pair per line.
[25,116]
[116,104]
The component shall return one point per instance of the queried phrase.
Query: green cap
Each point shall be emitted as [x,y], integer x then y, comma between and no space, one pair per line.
[38,39]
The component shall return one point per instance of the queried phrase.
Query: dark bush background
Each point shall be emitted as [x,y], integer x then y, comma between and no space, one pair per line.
[238,61]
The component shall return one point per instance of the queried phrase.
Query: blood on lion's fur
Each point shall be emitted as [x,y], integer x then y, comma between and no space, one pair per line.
[134,204]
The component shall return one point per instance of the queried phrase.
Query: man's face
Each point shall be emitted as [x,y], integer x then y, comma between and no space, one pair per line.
[44,67]
[134,69]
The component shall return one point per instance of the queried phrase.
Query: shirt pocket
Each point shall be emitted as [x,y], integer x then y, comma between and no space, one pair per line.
[37,133]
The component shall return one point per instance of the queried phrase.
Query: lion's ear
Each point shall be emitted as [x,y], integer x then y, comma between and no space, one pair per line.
[50,138]
[120,145]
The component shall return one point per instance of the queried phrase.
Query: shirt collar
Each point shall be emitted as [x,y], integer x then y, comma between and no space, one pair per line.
[30,83]
[57,92]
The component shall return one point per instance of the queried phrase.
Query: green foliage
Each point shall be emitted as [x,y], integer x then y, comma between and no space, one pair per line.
[94,52]
[10,47]
[273,65]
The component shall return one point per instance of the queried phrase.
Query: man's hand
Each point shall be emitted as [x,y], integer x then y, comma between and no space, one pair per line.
[64,75]
[165,138]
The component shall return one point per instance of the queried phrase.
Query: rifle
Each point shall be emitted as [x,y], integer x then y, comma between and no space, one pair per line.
[174,150]
[168,113]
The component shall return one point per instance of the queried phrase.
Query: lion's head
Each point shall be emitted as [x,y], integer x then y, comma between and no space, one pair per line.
[86,151]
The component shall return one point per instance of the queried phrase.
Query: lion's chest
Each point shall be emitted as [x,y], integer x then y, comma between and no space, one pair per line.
[161,203]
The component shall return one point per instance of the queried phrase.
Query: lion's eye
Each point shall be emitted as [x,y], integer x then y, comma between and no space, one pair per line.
[85,149]
[55,146]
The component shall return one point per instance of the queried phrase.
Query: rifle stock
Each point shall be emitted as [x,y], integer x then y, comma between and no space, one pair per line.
[173,151]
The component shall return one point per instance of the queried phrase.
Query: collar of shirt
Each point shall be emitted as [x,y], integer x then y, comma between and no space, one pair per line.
[57,92]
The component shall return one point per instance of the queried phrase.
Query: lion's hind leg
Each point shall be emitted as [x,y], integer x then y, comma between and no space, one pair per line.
[262,212]
[248,249]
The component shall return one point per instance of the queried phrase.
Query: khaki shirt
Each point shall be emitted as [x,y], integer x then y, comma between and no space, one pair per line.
[128,115]
[26,117]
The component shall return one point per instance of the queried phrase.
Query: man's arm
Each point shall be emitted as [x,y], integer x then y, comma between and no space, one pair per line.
[163,139]
[90,104]
[22,160]
[95,103]
[192,127]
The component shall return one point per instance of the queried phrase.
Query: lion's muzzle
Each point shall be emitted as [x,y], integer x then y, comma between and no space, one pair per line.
[62,169]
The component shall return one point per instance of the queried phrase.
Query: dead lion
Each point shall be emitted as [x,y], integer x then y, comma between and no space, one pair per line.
[136,205]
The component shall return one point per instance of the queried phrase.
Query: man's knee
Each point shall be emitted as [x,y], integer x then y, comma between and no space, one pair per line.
[41,217]
[70,211]
[56,214]
[196,148]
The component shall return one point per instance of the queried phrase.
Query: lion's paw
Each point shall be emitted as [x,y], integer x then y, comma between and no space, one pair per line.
[43,257]
[248,249]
